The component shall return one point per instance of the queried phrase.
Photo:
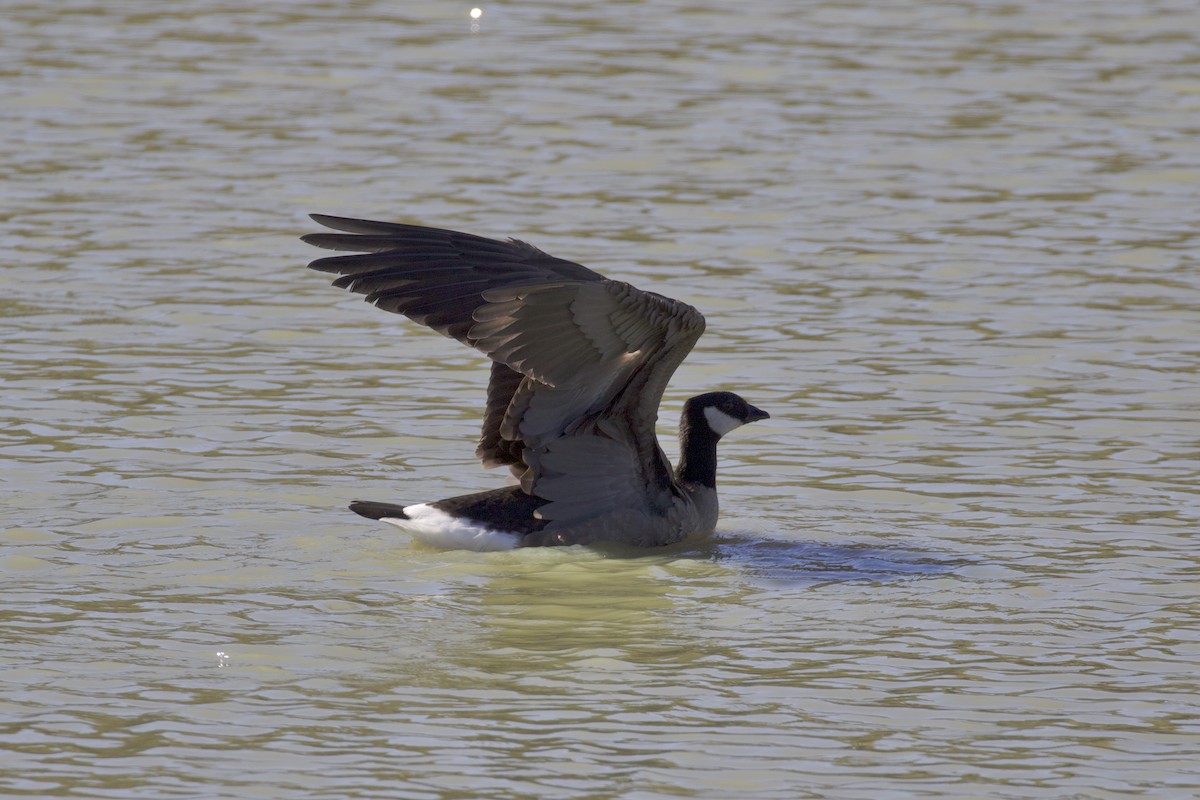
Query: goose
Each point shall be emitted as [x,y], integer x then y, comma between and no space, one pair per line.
[579,366]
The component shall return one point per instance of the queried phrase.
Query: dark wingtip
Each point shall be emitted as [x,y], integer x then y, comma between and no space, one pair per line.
[351,224]
[320,239]
[330,221]
[372,510]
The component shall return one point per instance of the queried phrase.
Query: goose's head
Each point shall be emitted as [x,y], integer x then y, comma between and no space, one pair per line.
[719,412]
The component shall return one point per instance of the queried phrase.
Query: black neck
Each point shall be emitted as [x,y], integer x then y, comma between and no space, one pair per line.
[697,455]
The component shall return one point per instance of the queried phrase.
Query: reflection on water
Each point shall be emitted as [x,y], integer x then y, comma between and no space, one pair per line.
[787,562]
[769,560]
[950,247]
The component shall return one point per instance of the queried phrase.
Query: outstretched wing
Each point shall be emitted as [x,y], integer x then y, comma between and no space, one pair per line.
[576,355]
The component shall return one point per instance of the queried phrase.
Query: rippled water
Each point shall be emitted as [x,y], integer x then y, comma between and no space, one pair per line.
[949,246]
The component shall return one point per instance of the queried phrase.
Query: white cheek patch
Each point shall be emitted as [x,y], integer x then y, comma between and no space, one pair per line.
[720,422]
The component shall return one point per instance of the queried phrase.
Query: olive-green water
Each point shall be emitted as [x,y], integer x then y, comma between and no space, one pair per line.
[950,246]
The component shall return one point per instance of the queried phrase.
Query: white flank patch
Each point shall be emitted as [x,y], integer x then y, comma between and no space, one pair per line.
[719,421]
[439,529]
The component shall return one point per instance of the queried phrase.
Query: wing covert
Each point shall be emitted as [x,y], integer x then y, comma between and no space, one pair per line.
[571,349]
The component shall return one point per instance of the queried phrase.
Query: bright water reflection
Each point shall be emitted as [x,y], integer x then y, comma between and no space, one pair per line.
[950,247]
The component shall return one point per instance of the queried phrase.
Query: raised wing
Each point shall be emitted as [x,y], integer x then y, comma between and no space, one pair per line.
[576,355]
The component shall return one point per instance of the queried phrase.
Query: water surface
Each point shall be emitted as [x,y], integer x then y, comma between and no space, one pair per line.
[950,247]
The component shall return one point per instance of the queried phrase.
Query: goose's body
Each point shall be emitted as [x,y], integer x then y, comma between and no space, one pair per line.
[579,365]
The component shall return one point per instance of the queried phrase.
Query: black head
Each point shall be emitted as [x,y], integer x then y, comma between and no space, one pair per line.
[720,412]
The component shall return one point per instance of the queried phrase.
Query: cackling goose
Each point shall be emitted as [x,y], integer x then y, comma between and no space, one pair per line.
[579,365]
